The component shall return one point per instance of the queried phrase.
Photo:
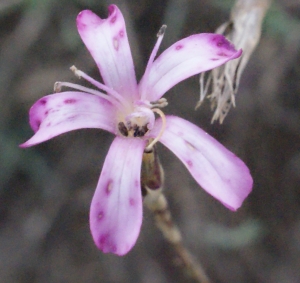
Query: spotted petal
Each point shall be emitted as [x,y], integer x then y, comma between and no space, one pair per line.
[116,209]
[185,58]
[107,41]
[62,112]
[216,169]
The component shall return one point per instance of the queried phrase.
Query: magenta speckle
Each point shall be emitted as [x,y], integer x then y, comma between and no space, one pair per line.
[136,183]
[108,187]
[215,59]
[43,101]
[100,215]
[46,112]
[178,47]
[121,33]
[48,124]
[106,244]
[37,124]
[113,19]
[103,239]
[189,163]
[222,42]
[70,101]
[222,54]
[131,202]
[111,9]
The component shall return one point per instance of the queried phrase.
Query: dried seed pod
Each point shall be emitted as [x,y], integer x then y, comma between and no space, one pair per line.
[243,30]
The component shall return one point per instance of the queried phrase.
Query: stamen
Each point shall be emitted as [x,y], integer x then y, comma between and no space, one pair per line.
[160,36]
[59,85]
[99,85]
[161,103]
[163,127]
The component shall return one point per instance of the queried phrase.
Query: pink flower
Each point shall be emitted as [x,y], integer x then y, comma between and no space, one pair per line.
[126,109]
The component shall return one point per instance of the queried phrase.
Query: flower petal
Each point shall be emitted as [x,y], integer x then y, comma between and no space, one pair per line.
[59,113]
[107,41]
[215,168]
[185,58]
[116,208]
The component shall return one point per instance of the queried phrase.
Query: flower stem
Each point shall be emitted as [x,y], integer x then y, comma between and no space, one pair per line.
[152,185]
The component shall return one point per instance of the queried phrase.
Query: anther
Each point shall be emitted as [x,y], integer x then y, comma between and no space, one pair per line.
[162,30]
[57,87]
[161,103]
[75,71]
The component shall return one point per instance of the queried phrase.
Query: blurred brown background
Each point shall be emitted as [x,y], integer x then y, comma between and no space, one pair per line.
[45,191]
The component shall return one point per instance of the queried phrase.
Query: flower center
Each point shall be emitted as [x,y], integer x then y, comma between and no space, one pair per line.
[137,123]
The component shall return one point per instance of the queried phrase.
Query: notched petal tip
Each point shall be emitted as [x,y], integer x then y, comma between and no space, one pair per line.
[106,39]
[87,18]
[112,9]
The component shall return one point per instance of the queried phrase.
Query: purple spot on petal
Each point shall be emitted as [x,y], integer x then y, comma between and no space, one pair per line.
[111,10]
[46,112]
[131,202]
[103,239]
[189,163]
[48,124]
[113,19]
[222,54]
[108,187]
[106,244]
[100,215]
[121,33]
[37,124]
[215,59]
[43,101]
[222,42]
[70,101]
[136,183]
[179,46]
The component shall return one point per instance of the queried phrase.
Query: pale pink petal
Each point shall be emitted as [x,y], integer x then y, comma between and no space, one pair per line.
[107,41]
[62,112]
[116,208]
[215,168]
[185,58]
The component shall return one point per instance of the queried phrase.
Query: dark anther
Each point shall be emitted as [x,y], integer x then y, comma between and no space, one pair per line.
[140,131]
[123,130]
